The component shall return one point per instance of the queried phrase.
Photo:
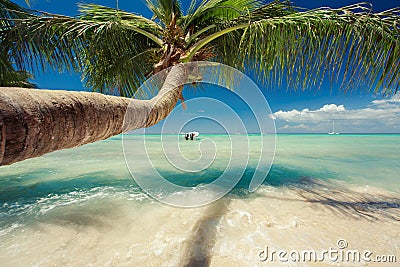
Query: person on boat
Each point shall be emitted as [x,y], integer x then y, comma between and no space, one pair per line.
[191,136]
[187,136]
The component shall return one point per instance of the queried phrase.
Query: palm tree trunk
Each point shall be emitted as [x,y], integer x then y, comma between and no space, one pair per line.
[36,122]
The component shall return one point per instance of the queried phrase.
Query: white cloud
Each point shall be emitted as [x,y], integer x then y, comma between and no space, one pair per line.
[306,115]
[332,108]
[300,126]
[385,113]
[394,100]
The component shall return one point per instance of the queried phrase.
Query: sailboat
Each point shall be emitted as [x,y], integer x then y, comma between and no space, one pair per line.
[333,128]
[236,129]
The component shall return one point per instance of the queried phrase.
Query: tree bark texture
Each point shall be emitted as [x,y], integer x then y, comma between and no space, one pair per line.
[35,122]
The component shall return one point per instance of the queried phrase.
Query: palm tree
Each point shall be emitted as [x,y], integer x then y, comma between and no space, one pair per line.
[116,51]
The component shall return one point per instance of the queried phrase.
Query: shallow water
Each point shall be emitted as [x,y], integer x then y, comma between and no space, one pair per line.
[81,206]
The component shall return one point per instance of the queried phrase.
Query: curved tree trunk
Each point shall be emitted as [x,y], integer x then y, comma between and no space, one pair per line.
[36,122]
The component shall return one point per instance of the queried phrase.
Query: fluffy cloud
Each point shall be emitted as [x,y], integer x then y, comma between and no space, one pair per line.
[385,112]
[306,115]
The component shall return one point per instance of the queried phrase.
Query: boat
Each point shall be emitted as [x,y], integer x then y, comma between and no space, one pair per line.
[333,128]
[195,134]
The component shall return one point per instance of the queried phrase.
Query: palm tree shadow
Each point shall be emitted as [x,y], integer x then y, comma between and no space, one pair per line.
[335,198]
[344,201]
[204,235]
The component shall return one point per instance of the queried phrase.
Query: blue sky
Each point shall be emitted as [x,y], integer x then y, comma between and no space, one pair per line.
[310,111]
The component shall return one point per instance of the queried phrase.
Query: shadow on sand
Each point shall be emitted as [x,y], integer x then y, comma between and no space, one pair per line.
[343,201]
[199,247]
[336,198]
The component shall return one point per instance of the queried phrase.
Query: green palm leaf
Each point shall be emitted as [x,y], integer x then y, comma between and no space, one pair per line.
[9,77]
[89,44]
[165,10]
[302,47]
[213,11]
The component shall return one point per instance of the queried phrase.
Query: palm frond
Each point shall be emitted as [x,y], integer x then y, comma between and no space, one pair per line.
[212,17]
[205,13]
[66,43]
[274,9]
[9,77]
[119,73]
[10,10]
[350,43]
[98,13]
[165,10]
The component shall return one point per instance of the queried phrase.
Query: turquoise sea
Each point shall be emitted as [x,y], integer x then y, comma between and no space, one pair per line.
[81,206]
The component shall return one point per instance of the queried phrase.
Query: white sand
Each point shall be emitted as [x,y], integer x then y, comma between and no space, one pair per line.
[230,232]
